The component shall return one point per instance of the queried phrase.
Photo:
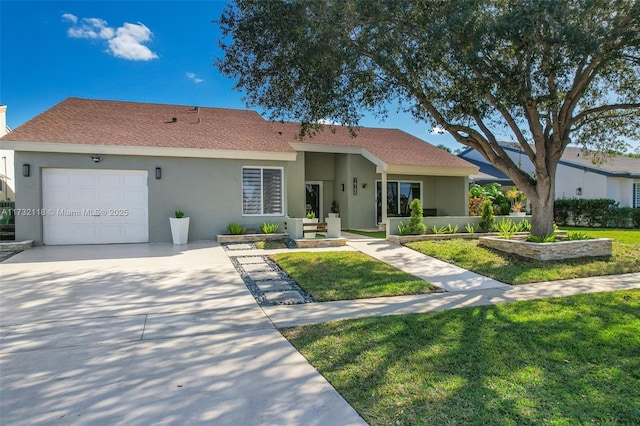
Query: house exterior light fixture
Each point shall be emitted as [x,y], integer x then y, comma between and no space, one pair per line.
[26,170]
[158,173]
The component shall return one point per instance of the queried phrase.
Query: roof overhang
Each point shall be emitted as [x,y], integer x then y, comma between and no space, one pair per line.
[337,149]
[401,169]
[71,148]
[383,167]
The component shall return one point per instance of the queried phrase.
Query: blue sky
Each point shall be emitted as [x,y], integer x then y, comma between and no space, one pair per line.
[143,51]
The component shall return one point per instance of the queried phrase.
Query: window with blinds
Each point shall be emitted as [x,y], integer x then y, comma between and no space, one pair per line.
[262,191]
[636,195]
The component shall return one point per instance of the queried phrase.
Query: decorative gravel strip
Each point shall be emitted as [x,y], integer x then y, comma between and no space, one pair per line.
[277,288]
[4,255]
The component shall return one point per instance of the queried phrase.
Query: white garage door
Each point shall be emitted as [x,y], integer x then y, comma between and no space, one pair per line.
[95,206]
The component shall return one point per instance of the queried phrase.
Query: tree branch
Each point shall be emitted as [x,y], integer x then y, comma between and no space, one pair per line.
[603,108]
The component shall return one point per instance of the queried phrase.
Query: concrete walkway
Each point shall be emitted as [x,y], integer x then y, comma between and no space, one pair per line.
[444,275]
[312,313]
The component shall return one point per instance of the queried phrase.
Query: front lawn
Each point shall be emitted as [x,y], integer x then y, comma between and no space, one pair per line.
[347,276]
[514,269]
[569,361]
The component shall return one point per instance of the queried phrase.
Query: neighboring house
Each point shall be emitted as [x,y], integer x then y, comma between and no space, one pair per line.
[93,171]
[7,178]
[618,178]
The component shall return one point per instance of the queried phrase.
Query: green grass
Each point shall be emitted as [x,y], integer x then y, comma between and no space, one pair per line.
[517,270]
[564,361]
[370,234]
[347,276]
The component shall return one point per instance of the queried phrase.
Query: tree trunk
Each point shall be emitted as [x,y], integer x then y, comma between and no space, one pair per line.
[542,207]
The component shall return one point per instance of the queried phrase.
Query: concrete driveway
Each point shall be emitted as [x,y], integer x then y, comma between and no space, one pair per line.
[147,334]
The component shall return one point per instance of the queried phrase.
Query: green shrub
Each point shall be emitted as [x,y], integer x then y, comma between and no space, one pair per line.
[550,238]
[451,229]
[416,223]
[524,226]
[576,235]
[441,230]
[472,229]
[493,192]
[403,229]
[506,228]
[236,229]
[179,214]
[595,212]
[311,215]
[269,228]
[488,219]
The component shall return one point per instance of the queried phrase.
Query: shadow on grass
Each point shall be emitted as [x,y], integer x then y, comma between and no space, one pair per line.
[567,360]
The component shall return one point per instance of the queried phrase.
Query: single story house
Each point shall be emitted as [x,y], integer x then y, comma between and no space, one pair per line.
[618,178]
[96,171]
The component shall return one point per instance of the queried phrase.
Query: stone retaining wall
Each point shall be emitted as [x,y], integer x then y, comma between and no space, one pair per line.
[15,245]
[551,251]
[320,242]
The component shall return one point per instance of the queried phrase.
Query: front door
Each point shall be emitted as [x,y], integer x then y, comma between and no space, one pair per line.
[314,198]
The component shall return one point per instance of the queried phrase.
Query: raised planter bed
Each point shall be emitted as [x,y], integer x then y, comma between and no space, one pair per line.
[249,238]
[551,251]
[320,242]
[15,245]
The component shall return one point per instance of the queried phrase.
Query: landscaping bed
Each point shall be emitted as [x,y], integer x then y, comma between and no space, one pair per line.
[513,269]
[557,250]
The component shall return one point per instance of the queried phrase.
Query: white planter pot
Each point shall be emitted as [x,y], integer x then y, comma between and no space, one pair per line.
[334,215]
[518,214]
[179,229]
[310,231]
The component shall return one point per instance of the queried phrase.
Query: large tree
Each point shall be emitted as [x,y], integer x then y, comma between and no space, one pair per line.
[542,73]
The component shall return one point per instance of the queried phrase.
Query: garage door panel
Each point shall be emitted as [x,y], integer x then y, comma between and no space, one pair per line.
[96,203]
[111,199]
[86,198]
[111,181]
[81,179]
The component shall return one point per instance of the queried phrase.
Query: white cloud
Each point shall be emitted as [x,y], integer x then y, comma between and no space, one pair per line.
[437,130]
[91,28]
[69,17]
[192,76]
[126,42]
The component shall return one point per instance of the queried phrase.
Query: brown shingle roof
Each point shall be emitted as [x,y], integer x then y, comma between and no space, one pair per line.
[116,123]
[392,146]
[98,122]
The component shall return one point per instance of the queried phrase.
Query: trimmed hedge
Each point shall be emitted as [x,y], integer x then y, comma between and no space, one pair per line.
[600,212]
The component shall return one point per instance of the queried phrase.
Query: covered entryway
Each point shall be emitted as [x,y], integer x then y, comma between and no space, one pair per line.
[314,198]
[82,206]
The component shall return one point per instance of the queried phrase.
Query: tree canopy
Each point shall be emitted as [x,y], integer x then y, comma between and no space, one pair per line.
[543,73]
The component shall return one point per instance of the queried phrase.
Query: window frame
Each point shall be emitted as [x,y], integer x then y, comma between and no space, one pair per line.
[398,182]
[262,204]
[635,195]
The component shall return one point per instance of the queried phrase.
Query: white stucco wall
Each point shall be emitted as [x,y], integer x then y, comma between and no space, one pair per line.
[569,179]
[7,192]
